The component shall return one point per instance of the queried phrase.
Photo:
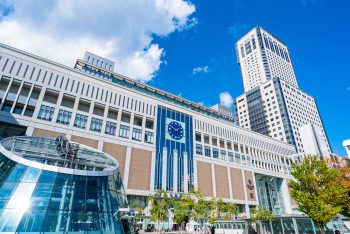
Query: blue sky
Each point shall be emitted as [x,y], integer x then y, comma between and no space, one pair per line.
[187,47]
[316,33]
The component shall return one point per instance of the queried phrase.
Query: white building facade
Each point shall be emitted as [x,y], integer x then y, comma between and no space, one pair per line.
[346,144]
[314,140]
[273,104]
[262,56]
[160,140]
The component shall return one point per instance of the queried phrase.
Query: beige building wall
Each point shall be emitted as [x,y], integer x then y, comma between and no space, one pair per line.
[237,184]
[38,132]
[205,184]
[118,152]
[221,182]
[140,169]
[249,180]
[85,141]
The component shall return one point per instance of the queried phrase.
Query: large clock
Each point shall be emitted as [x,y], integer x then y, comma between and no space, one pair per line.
[175,130]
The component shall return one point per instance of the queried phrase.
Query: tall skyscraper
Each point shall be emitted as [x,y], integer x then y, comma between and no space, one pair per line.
[272,103]
[263,56]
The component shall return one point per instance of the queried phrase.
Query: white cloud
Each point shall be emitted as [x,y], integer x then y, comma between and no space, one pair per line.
[237,30]
[226,99]
[305,3]
[197,70]
[62,30]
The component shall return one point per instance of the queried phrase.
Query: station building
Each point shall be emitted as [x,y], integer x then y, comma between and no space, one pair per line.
[161,141]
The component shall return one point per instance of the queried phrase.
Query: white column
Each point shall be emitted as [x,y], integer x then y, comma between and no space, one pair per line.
[164,173]
[247,211]
[229,182]
[185,173]
[213,179]
[175,171]
[153,168]
[286,196]
[127,166]
[195,172]
[244,186]
[100,143]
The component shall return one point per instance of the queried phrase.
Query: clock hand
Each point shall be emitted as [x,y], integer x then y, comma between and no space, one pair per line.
[172,127]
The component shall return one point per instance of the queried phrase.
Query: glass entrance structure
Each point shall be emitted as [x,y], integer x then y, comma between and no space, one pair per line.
[56,186]
[270,194]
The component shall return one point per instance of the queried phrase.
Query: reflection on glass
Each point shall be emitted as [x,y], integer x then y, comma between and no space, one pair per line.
[31,221]
[21,197]
[13,173]
[9,220]
[39,201]
[6,189]
[31,175]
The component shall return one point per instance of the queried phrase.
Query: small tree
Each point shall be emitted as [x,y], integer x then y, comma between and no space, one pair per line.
[161,203]
[202,207]
[259,214]
[317,190]
[192,205]
[139,209]
[183,208]
[227,210]
[344,168]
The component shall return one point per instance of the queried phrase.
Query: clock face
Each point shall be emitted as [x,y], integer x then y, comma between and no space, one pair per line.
[175,130]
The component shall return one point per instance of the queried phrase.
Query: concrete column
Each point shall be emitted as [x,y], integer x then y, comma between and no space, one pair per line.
[185,173]
[213,179]
[153,168]
[175,171]
[127,167]
[16,98]
[244,186]
[247,211]
[195,172]
[229,182]
[286,196]
[164,174]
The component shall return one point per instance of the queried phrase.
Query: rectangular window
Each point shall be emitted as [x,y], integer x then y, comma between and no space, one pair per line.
[110,128]
[124,131]
[266,43]
[80,121]
[244,160]
[223,154]
[138,121]
[149,137]
[230,156]
[254,45]
[207,151]
[271,46]
[136,134]
[199,149]
[242,52]
[46,112]
[149,123]
[248,47]
[237,158]
[198,137]
[96,125]
[215,153]
[64,117]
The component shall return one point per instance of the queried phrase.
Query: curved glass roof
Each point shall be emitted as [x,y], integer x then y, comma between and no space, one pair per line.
[60,153]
